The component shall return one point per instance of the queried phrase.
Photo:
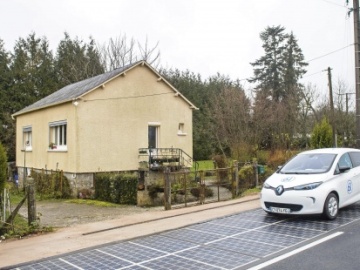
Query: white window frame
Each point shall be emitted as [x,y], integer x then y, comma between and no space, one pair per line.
[58,136]
[27,138]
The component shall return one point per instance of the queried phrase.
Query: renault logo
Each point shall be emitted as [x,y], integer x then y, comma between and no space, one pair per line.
[279,190]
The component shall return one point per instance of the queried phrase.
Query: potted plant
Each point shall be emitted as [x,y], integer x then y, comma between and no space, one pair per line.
[52,145]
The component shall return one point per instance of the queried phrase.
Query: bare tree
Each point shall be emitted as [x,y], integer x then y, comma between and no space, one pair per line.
[344,112]
[231,116]
[122,51]
[150,55]
[307,103]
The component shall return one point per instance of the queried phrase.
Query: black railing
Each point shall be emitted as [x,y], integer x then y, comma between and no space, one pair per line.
[159,158]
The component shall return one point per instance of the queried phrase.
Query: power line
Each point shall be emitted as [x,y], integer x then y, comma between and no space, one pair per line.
[313,74]
[330,53]
[333,3]
[129,97]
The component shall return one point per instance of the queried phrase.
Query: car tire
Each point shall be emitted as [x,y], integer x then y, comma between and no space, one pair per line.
[331,207]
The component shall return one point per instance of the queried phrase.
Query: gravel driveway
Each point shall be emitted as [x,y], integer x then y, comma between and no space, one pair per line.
[65,214]
[60,213]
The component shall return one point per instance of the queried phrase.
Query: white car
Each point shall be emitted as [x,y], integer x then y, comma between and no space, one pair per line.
[318,181]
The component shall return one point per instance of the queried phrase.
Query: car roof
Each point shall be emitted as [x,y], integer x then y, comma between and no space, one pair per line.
[330,151]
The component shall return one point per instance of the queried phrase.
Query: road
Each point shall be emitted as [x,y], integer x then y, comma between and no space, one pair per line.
[247,240]
[340,252]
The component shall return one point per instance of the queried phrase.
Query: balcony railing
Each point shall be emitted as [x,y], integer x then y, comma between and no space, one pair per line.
[159,158]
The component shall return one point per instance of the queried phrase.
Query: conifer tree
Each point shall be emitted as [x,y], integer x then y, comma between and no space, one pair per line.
[77,60]
[278,91]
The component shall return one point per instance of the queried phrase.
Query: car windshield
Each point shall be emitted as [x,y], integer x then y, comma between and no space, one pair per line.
[309,164]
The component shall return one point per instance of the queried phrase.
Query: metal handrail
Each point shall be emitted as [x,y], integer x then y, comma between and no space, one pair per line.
[168,155]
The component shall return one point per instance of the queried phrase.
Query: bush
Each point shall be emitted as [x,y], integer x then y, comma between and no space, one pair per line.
[322,135]
[52,185]
[246,177]
[3,167]
[118,188]
[279,157]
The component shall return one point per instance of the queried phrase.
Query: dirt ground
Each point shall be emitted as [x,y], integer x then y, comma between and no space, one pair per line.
[59,214]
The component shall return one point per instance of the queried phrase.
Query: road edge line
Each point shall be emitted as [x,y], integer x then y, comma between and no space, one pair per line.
[298,250]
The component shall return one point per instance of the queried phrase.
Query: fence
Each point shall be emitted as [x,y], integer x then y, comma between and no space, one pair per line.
[186,187]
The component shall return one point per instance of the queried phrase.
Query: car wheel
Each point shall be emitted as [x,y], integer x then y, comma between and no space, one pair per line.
[331,207]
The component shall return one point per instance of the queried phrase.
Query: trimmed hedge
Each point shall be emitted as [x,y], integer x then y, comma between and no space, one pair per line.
[118,188]
[51,184]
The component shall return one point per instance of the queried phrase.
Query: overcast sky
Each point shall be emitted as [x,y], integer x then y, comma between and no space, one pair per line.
[204,36]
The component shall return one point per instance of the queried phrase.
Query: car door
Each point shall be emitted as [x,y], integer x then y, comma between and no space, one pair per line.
[346,184]
[355,160]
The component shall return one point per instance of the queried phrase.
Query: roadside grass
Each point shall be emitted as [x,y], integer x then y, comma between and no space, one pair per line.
[251,191]
[204,165]
[92,202]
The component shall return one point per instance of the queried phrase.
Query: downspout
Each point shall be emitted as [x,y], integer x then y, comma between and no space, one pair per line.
[77,147]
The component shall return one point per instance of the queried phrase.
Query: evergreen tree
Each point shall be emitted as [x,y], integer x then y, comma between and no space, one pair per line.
[268,69]
[76,60]
[7,125]
[278,91]
[32,78]
[294,67]
[33,72]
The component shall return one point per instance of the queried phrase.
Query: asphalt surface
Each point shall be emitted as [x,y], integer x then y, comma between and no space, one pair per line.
[240,240]
[67,240]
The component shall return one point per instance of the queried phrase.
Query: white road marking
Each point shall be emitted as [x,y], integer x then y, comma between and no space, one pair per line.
[284,256]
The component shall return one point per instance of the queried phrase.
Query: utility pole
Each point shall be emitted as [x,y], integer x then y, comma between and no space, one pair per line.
[357,67]
[332,113]
[346,133]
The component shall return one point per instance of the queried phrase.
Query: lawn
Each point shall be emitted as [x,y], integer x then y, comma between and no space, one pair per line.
[204,165]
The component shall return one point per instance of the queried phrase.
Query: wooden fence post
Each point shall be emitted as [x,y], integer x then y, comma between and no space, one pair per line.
[30,186]
[202,188]
[235,179]
[256,173]
[167,189]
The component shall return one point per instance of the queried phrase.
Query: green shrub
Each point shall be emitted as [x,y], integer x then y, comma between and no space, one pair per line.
[3,167]
[118,188]
[321,136]
[51,185]
[279,157]
[153,190]
[246,177]
[125,186]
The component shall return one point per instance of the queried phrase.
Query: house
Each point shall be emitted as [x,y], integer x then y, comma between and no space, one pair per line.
[106,123]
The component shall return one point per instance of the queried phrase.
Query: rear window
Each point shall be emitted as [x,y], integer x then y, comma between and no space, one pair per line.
[355,158]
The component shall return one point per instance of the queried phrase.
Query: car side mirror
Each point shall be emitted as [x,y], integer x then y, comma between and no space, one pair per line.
[279,168]
[344,168]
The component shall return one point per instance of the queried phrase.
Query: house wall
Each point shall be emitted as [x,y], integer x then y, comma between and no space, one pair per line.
[41,156]
[114,121]
[108,126]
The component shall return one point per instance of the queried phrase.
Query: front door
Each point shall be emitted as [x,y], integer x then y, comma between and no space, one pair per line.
[153,137]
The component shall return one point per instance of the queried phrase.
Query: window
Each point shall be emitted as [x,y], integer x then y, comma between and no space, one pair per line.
[355,158]
[153,137]
[27,138]
[181,129]
[58,137]
[344,162]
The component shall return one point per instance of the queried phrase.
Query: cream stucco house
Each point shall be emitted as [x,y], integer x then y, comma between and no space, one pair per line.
[106,123]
